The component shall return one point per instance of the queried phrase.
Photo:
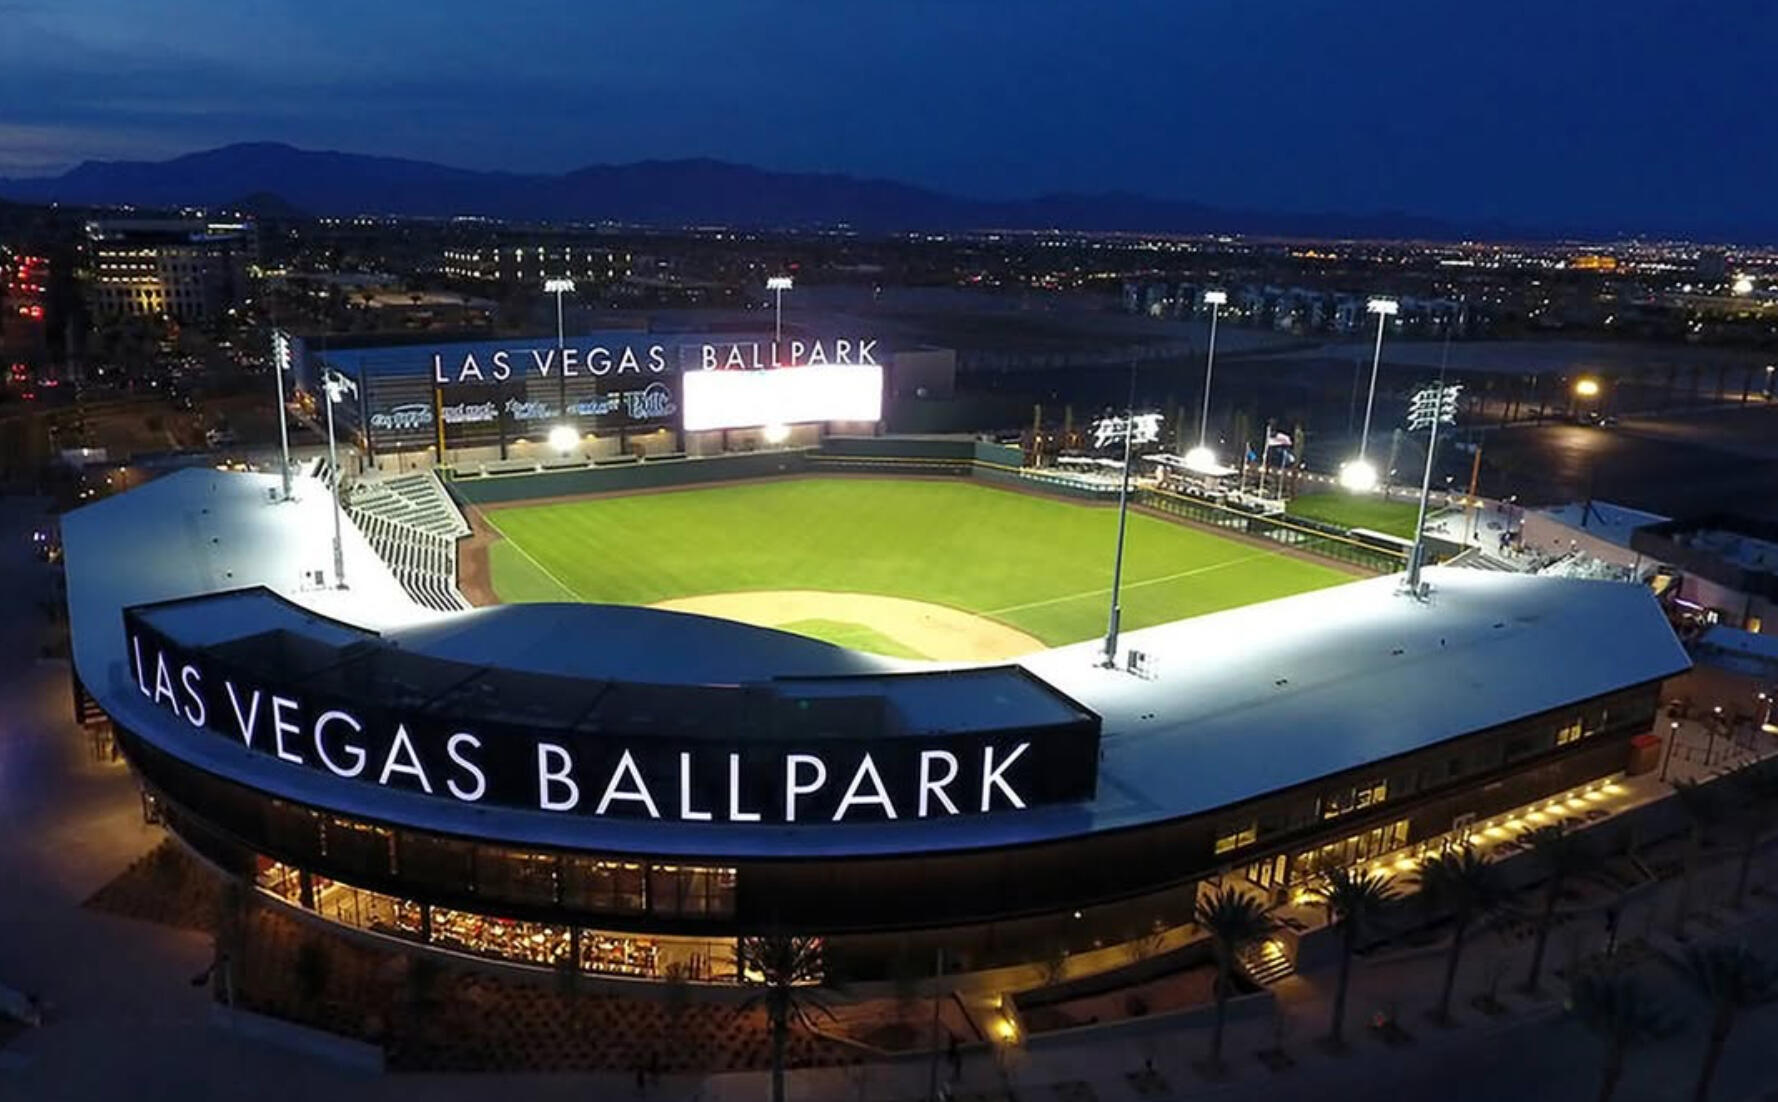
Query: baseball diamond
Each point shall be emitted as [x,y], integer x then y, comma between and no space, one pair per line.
[1036,565]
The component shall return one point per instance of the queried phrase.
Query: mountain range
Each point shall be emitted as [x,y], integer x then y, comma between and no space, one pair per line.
[275,179]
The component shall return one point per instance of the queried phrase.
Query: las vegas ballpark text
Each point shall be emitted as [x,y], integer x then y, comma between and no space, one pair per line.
[759,781]
[572,361]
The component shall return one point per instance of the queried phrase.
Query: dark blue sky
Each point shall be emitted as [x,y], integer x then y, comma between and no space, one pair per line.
[1603,114]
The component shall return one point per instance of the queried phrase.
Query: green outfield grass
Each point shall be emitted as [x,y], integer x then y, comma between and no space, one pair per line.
[1358,511]
[1040,565]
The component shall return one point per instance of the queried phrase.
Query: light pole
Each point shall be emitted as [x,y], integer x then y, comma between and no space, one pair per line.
[1123,514]
[778,285]
[1431,407]
[1769,369]
[1202,458]
[1667,758]
[334,386]
[1359,474]
[559,287]
[280,353]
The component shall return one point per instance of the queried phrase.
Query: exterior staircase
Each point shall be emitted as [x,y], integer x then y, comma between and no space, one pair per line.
[1266,962]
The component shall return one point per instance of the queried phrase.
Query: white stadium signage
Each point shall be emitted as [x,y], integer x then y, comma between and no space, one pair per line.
[764,355]
[596,361]
[601,360]
[745,782]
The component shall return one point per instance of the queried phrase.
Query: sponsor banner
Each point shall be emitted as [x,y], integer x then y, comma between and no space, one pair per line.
[719,777]
[782,396]
[647,403]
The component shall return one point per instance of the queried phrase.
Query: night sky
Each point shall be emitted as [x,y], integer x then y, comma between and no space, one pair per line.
[1604,114]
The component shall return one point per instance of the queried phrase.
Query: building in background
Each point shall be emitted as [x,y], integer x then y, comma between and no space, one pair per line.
[1728,563]
[517,263]
[24,309]
[186,270]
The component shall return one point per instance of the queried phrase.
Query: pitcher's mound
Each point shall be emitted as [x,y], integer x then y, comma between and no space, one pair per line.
[914,628]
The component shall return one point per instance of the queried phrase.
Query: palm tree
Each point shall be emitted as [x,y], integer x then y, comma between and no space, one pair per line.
[1755,791]
[1470,888]
[1619,1012]
[785,969]
[1563,856]
[1357,900]
[1701,811]
[1234,920]
[1732,978]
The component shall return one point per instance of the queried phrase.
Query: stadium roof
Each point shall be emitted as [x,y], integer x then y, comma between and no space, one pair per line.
[1602,519]
[1234,705]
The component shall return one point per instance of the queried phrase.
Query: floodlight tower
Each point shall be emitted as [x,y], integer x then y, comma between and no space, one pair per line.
[1202,458]
[335,386]
[778,285]
[1359,474]
[1432,407]
[558,287]
[1123,513]
[280,353]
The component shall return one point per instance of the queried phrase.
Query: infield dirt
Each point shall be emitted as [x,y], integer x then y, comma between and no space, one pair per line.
[941,633]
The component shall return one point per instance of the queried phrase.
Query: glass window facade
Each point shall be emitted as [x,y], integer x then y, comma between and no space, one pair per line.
[658,913]
[1310,863]
[596,884]
[541,944]
[1236,835]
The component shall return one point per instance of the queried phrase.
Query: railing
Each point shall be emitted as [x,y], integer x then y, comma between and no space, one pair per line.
[1287,532]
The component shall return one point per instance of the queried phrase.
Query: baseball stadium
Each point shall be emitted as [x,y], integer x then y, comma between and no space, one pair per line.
[613,704]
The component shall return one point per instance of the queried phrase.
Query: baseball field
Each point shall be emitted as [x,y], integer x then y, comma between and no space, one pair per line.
[910,568]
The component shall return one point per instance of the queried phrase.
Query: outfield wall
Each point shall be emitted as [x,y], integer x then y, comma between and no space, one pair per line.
[623,477]
[940,455]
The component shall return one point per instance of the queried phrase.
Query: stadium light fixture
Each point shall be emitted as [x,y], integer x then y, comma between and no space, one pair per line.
[334,387]
[778,285]
[1587,388]
[563,439]
[558,287]
[1384,308]
[1123,512]
[1432,407]
[281,359]
[776,433]
[1215,300]
[1359,476]
[1202,460]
